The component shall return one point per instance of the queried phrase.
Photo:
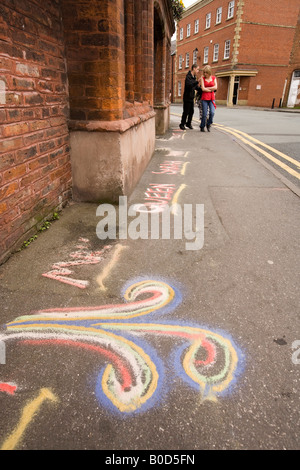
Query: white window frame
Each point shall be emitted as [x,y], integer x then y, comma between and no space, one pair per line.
[208,21]
[227,49]
[179,88]
[180,62]
[196,26]
[205,55]
[187,60]
[230,10]
[195,57]
[180,34]
[188,30]
[216,53]
[219,15]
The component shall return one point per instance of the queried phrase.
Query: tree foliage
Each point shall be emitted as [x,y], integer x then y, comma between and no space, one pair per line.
[178,9]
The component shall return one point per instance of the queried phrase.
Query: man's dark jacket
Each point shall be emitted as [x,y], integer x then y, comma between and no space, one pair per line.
[191,84]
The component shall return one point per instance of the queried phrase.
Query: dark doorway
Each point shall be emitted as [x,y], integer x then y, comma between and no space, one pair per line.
[236,90]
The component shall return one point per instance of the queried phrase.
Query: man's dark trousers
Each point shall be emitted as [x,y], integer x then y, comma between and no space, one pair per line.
[188,112]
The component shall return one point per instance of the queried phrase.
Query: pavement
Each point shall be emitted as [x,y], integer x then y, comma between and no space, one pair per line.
[179,344]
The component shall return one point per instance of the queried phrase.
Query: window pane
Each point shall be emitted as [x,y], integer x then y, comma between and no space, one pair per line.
[205,55]
[227,49]
[208,18]
[216,52]
[230,9]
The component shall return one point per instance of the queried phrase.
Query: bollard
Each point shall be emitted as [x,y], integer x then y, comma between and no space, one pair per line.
[273,103]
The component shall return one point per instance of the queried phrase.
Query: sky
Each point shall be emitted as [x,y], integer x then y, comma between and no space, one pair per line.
[188,3]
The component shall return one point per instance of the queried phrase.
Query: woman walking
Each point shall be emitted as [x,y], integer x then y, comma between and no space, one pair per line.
[208,86]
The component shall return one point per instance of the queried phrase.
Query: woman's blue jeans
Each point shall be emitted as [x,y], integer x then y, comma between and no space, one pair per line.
[205,105]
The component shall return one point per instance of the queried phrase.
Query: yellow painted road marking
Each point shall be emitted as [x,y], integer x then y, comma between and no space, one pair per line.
[280,154]
[27,415]
[176,195]
[175,198]
[184,168]
[109,267]
[243,137]
[266,154]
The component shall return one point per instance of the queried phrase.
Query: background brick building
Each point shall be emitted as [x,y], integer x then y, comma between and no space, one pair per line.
[80,102]
[251,45]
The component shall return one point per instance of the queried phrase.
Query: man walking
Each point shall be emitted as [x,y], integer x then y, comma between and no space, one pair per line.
[191,84]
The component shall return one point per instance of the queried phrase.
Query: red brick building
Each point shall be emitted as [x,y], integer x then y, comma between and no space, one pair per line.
[80,103]
[251,45]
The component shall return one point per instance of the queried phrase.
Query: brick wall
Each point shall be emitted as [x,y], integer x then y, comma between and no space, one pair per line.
[35,173]
[94,33]
[109,50]
[274,12]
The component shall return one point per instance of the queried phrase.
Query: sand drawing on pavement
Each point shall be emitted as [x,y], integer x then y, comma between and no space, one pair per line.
[107,269]
[28,413]
[82,256]
[159,192]
[176,134]
[169,167]
[8,387]
[121,335]
[159,195]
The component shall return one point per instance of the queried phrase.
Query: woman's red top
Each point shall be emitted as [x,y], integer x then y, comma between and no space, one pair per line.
[208,95]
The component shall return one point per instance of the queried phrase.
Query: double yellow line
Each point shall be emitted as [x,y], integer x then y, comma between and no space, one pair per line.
[251,141]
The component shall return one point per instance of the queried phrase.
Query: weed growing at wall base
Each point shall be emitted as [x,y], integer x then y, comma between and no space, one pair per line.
[152,221]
